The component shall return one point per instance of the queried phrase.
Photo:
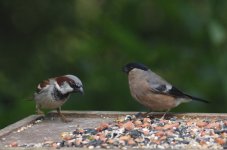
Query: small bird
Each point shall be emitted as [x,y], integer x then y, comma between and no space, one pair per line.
[54,92]
[153,91]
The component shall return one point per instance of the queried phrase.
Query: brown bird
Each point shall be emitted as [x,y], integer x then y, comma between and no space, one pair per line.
[54,92]
[153,91]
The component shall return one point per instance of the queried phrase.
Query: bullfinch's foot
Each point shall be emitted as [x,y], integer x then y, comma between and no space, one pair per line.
[142,115]
[163,117]
[138,115]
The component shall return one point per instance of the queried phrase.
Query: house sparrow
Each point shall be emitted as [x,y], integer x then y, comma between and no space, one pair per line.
[54,92]
[153,91]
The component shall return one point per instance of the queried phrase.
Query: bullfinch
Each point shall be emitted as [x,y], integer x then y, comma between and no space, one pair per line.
[153,91]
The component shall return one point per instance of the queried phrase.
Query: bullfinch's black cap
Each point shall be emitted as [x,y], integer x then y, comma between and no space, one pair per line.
[127,68]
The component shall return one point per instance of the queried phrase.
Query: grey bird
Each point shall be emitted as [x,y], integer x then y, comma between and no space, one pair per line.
[153,91]
[54,92]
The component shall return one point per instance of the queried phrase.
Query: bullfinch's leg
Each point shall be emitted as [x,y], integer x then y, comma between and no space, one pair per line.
[63,118]
[163,117]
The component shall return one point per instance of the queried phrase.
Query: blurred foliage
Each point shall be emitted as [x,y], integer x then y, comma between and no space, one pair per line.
[183,41]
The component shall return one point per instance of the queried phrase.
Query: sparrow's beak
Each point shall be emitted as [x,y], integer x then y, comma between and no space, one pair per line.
[81,90]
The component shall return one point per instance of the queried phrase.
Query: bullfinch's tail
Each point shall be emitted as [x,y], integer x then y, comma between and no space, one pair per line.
[175,92]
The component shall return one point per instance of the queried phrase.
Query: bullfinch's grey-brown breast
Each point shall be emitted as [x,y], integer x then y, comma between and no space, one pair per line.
[153,91]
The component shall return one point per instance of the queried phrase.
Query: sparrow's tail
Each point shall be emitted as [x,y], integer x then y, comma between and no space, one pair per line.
[196,98]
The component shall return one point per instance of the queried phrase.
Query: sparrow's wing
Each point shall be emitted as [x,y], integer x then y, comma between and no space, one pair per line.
[43,85]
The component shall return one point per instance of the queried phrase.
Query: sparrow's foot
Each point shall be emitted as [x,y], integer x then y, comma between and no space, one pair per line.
[63,118]
[39,112]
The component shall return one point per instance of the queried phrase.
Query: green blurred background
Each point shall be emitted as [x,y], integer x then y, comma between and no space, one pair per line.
[183,41]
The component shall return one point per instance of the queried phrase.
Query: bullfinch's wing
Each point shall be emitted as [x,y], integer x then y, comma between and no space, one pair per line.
[160,86]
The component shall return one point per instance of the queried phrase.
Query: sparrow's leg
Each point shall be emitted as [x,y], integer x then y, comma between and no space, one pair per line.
[38,111]
[63,118]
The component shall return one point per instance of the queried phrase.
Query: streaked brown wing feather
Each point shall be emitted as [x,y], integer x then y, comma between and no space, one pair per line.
[42,85]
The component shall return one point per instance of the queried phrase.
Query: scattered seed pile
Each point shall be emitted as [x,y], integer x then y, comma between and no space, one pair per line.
[134,132]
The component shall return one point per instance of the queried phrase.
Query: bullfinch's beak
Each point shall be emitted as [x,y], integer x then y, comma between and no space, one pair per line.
[125,69]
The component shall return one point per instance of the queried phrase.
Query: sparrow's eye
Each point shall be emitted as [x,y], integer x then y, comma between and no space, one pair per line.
[77,85]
